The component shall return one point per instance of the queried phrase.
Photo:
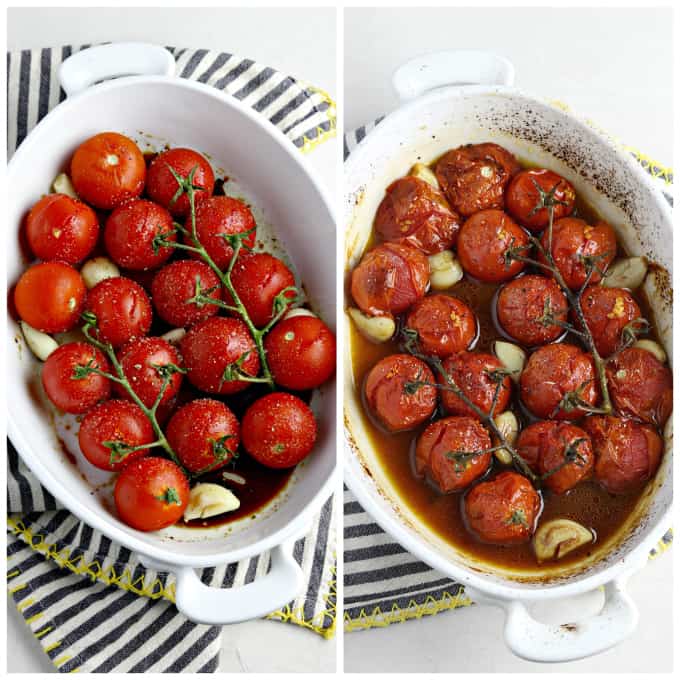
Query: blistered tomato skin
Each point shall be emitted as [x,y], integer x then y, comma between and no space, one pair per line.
[388,398]
[503,510]
[445,437]
[444,324]
[389,279]
[641,386]
[415,213]
[484,243]
[627,454]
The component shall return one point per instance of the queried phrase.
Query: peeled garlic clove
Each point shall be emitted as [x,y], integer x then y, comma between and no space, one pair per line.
[373,328]
[421,171]
[628,272]
[653,348]
[558,537]
[41,344]
[445,270]
[62,185]
[298,311]
[508,425]
[97,269]
[207,500]
[511,356]
[174,336]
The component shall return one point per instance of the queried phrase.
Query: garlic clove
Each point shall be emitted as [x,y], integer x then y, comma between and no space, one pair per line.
[97,269]
[628,272]
[511,356]
[298,311]
[174,336]
[62,185]
[508,425]
[445,270]
[207,500]
[653,348]
[559,537]
[41,344]
[373,328]
[422,172]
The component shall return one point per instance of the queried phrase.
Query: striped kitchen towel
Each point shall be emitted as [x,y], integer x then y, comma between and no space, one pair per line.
[89,601]
[383,583]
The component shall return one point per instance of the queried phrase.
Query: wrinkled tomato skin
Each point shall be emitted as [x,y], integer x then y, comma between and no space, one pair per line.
[483,242]
[473,177]
[141,494]
[114,420]
[521,307]
[607,311]
[161,186]
[641,386]
[50,296]
[469,371]
[61,228]
[387,398]
[417,214]
[107,170]
[176,283]
[64,391]
[279,430]
[300,352]
[551,372]
[130,231]
[522,196]
[389,279]
[122,308]
[627,454]
[205,434]
[448,435]
[543,445]
[210,346]
[502,510]
[444,324]
[572,240]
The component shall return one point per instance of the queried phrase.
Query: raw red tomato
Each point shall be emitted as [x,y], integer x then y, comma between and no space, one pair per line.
[143,362]
[300,352]
[110,433]
[130,231]
[215,351]
[204,434]
[61,228]
[151,493]
[279,430]
[161,185]
[179,282]
[50,296]
[68,386]
[108,169]
[122,308]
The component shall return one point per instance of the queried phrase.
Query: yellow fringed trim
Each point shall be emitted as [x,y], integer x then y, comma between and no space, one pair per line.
[42,632]
[54,645]
[331,114]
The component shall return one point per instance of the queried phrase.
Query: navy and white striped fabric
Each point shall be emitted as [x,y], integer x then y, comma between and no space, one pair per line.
[78,591]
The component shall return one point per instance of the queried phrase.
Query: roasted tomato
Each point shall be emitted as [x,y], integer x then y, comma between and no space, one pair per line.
[66,382]
[503,510]
[453,452]
[205,434]
[608,311]
[394,395]
[484,244]
[415,213]
[575,244]
[162,187]
[641,386]
[131,231]
[389,279]
[532,310]
[151,493]
[111,433]
[523,197]
[479,376]
[444,324]
[122,308]
[627,453]
[560,452]
[177,283]
[217,352]
[559,382]
[108,169]
[50,296]
[61,228]
[473,177]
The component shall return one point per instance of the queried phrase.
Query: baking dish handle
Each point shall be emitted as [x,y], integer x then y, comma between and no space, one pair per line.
[104,62]
[451,67]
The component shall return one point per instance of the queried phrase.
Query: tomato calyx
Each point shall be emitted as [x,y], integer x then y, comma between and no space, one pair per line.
[517,517]
[170,496]
[462,458]
[571,456]
[632,331]
[233,372]
[120,450]
[574,401]
[546,199]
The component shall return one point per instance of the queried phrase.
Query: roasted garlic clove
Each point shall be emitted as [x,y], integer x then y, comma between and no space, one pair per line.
[174,336]
[373,328]
[511,356]
[421,171]
[628,272]
[508,425]
[207,500]
[445,270]
[41,344]
[62,185]
[298,311]
[97,269]
[558,537]
[653,348]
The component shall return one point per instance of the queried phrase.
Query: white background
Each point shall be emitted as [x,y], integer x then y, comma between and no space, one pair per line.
[298,42]
[611,65]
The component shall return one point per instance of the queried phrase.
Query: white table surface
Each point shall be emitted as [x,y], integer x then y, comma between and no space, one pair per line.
[299,42]
[611,65]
